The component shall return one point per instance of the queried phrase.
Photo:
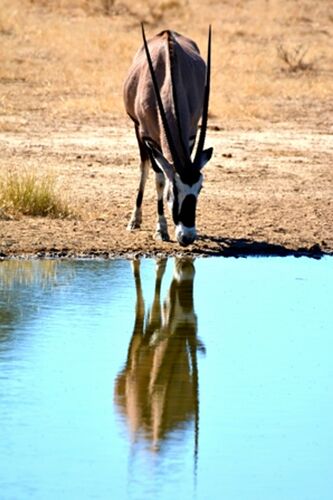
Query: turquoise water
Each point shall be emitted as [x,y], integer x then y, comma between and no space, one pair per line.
[202,380]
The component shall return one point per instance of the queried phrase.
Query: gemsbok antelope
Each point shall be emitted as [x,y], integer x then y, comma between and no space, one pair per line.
[165,93]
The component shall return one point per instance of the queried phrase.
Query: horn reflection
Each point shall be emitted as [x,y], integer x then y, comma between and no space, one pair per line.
[157,391]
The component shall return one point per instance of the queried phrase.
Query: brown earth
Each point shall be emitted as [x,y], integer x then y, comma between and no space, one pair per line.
[268,189]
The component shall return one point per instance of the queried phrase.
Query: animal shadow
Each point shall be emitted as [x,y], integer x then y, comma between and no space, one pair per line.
[242,247]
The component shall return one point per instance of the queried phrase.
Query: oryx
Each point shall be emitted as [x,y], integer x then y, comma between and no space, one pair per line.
[165,93]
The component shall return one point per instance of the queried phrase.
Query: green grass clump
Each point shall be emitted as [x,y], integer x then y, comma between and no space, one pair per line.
[27,193]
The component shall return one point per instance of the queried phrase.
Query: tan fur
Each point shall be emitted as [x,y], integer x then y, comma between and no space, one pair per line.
[166,49]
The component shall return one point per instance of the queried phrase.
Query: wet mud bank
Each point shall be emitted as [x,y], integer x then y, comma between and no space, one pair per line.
[241,248]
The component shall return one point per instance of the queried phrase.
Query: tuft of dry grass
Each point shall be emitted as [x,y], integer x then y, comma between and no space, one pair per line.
[294,58]
[27,193]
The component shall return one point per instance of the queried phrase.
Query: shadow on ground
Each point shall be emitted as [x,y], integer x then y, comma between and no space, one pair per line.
[229,247]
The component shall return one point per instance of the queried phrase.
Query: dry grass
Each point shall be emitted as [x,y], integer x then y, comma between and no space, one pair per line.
[68,58]
[294,58]
[28,193]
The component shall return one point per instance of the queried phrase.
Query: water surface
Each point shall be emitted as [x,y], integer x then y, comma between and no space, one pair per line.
[210,379]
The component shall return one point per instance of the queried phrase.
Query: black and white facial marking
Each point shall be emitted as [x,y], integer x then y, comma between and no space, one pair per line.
[182,200]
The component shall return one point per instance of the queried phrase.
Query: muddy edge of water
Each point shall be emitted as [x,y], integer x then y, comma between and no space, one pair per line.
[241,248]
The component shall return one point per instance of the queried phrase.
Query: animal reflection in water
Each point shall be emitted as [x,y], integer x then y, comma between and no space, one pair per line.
[158,388]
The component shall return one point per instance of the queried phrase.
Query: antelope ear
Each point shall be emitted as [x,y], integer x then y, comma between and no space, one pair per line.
[161,162]
[204,157]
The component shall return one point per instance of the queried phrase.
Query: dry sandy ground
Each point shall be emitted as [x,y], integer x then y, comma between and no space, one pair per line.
[267,190]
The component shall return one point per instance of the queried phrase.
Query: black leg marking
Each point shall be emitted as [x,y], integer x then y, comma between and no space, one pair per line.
[139,199]
[161,228]
[160,207]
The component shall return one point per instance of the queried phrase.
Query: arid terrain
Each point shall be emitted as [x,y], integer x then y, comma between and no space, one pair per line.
[269,187]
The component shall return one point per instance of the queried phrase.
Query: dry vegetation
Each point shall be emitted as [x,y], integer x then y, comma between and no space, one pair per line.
[28,192]
[69,57]
[62,64]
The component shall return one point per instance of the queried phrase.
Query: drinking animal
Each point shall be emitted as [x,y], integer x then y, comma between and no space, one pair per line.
[165,93]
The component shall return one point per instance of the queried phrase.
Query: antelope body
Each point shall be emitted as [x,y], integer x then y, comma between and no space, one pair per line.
[165,93]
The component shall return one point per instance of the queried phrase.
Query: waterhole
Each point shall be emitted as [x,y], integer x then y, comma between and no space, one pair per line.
[160,379]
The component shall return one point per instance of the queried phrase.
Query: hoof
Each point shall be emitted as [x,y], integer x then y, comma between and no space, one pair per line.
[132,225]
[162,236]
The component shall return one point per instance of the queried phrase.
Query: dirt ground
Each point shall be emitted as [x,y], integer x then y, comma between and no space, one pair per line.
[268,189]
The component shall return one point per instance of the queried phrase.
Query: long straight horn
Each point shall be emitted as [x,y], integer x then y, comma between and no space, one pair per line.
[171,144]
[204,118]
